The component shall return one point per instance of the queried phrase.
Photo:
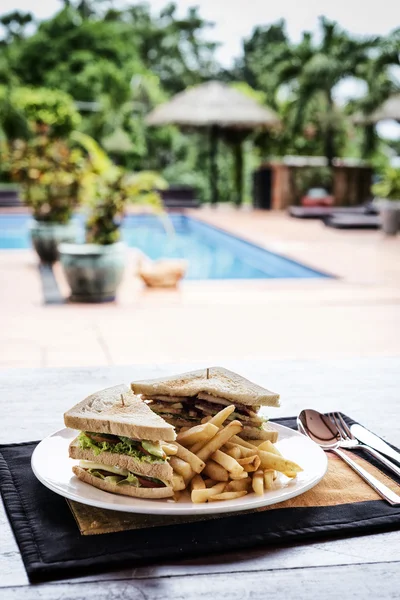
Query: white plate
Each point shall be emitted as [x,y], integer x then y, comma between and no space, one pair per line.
[52,466]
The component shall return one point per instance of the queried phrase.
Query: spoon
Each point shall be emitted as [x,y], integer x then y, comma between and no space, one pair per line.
[323,432]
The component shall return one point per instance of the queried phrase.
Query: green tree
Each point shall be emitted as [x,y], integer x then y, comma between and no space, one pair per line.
[380,81]
[306,74]
[316,69]
[14,25]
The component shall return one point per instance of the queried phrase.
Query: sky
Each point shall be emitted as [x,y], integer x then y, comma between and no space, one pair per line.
[235,19]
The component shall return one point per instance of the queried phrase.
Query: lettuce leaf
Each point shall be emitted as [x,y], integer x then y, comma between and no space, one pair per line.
[126,447]
[113,479]
[131,479]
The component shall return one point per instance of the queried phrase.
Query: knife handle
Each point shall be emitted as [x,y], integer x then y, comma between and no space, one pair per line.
[385,461]
[373,441]
[377,485]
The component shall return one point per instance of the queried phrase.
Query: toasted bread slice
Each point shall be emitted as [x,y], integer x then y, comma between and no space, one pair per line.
[118,411]
[160,470]
[125,490]
[220,383]
[266,432]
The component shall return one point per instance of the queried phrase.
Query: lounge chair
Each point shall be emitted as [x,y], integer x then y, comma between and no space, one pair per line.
[353,221]
[180,196]
[322,212]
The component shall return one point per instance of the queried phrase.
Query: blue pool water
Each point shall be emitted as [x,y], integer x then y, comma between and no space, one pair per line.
[211,252]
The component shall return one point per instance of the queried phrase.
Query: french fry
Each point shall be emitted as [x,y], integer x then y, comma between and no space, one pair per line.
[184,495]
[183,429]
[227,496]
[258,483]
[226,461]
[250,463]
[215,471]
[169,449]
[199,496]
[196,447]
[291,474]
[268,446]
[222,415]
[239,485]
[269,478]
[197,483]
[199,445]
[210,482]
[181,467]
[242,475]
[219,439]
[198,433]
[234,451]
[245,443]
[242,449]
[193,460]
[178,482]
[278,463]
[251,468]
[206,419]
[246,452]
[247,460]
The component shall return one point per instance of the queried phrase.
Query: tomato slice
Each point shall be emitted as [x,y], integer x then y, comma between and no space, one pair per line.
[98,437]
[149,484]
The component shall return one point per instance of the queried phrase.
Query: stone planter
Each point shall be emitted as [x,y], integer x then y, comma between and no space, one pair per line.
[47,236]
[390,216]
[93,272]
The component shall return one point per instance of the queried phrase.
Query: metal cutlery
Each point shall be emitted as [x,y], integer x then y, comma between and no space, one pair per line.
[350,442]
[373,441]
[322,431]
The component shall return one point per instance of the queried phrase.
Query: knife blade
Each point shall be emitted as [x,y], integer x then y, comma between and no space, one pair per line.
[369,438]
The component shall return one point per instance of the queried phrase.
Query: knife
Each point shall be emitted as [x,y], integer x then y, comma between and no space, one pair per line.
[370,439]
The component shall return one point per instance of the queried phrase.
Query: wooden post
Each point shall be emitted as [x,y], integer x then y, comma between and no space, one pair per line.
[214,134]
[238,162]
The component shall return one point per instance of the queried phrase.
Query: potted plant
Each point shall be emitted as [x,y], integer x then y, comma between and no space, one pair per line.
[94,270]
[49,172]
[387,192]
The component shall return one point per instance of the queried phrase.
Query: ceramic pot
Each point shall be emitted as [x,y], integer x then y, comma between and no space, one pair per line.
[390,216]
[93,272]
[47,236]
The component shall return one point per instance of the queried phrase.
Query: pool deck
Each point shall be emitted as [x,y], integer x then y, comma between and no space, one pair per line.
[356,314]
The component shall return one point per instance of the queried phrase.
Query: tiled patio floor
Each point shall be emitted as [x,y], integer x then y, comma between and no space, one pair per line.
[357,314]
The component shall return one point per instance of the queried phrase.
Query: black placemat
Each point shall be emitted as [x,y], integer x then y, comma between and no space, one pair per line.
[52,547]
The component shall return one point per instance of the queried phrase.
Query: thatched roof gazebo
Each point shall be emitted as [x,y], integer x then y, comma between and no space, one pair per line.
[390,109]
[222,111]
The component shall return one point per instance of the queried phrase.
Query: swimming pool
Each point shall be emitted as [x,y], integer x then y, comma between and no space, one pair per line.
[211,252]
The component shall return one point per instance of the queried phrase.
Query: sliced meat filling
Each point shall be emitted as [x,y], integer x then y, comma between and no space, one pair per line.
[189,411]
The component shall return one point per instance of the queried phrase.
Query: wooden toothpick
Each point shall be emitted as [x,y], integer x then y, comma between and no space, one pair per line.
[208,373]
[122,400]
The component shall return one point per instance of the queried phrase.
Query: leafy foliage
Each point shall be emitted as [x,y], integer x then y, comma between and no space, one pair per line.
[116,64]
[389,186]
[31,108]
[108,189]
[307,74]
[50,173]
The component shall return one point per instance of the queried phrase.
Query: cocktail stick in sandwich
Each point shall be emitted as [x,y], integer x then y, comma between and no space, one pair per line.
[119,446]
[186,400]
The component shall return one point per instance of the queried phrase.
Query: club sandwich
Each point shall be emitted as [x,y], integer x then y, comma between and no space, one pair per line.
[189,399]
[119,446]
